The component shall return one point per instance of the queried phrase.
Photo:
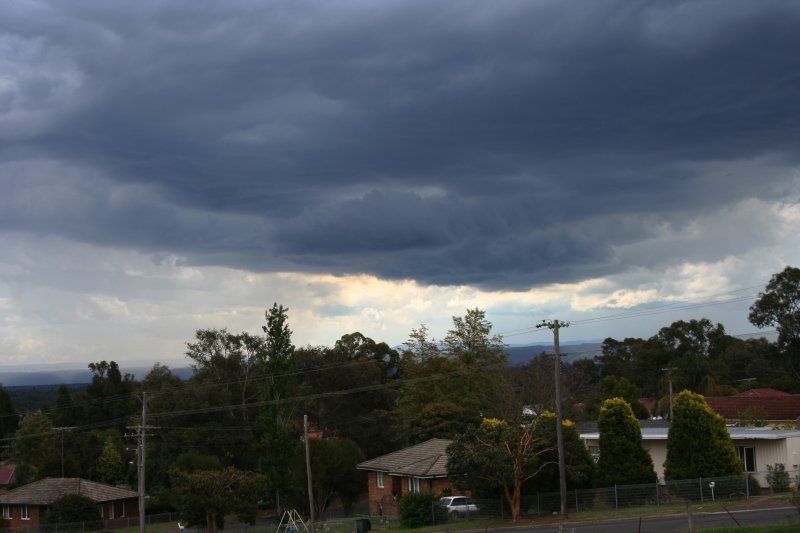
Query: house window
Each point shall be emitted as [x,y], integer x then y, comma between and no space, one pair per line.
[122,510]
[6,511]
[595,451]
[747,454]
[380,479]
[24,512]
[413,484]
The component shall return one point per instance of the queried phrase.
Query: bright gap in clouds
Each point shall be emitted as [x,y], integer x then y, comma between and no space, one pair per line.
[62,301]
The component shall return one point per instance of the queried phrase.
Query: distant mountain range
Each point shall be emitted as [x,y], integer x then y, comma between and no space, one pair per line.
[73,374]
[569,351]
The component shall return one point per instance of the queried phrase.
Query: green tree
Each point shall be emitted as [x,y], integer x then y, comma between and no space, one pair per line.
[64,409]
[580,467]
[33,449]
[352,399]
[206,496]
[614,387]
[333,463]
[110,466]
[72,509]
[9,420]
[698,443]
[278,415]
[110,396]
[779,307]
[160,379]
[499,454]
[623,459]
[227,379]
[450,388]
[429,404]
[471,340]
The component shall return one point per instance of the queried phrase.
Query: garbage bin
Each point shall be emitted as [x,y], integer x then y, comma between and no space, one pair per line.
[363,525]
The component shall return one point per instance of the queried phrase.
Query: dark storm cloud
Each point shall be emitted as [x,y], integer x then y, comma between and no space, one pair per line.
[502,144]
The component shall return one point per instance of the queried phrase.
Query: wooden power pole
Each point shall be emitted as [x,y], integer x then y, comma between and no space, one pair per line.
[142,448]
[308,471]
[562,469]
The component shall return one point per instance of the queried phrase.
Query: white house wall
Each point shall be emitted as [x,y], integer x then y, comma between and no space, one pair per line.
[767,451]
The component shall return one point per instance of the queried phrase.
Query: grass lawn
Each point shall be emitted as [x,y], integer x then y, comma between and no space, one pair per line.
[348,525]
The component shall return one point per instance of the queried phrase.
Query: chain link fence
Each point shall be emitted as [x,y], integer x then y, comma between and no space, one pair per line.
[656,494]
[673,492]
[109,524]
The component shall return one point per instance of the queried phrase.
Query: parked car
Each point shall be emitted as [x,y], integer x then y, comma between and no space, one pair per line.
[458,506]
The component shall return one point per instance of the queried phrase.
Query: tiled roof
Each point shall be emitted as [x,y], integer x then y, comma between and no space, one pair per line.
[763,392]
[737,434]
[46,491]
[428,459]
[7,474]
[774,407]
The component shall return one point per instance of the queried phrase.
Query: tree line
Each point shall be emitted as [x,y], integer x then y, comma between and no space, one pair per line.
[242,408]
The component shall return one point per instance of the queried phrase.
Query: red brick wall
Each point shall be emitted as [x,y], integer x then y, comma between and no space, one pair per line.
[16,521]
[395,487]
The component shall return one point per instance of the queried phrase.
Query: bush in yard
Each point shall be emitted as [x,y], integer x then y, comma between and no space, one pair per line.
[778,477]
[795,497]
[72,509]
[416,509]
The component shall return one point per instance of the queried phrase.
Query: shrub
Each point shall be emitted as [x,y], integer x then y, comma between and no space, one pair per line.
[778,477]
[416,509]
[71,509]
[795,497]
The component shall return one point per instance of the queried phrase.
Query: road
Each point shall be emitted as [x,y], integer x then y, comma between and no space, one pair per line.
[675,523]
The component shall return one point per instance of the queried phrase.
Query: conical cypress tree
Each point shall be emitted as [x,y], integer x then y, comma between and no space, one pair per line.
[623,460]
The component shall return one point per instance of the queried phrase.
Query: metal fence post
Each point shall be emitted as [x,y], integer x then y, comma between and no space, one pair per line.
[701,489]
[747,486]
[576,500]
[616,501]
[658,497]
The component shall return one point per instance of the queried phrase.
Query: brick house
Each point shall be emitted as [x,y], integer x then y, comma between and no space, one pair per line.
[25,506]
[418,468]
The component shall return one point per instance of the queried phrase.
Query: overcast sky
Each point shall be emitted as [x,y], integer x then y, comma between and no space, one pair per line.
[374,165]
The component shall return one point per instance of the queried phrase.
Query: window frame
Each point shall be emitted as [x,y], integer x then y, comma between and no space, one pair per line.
[6,511]
[24,512]
[379,480]
[742,452]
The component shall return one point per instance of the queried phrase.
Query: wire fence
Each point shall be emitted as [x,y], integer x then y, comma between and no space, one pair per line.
[108,524]
[655,494]
[673,492]
[676,492]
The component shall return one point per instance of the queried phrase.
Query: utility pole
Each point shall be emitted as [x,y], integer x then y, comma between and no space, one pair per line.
[562,469]
[62,430]
[308,472]
[142,448]
[669,371]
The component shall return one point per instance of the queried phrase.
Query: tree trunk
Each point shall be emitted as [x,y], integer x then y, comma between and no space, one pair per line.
[211,522]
